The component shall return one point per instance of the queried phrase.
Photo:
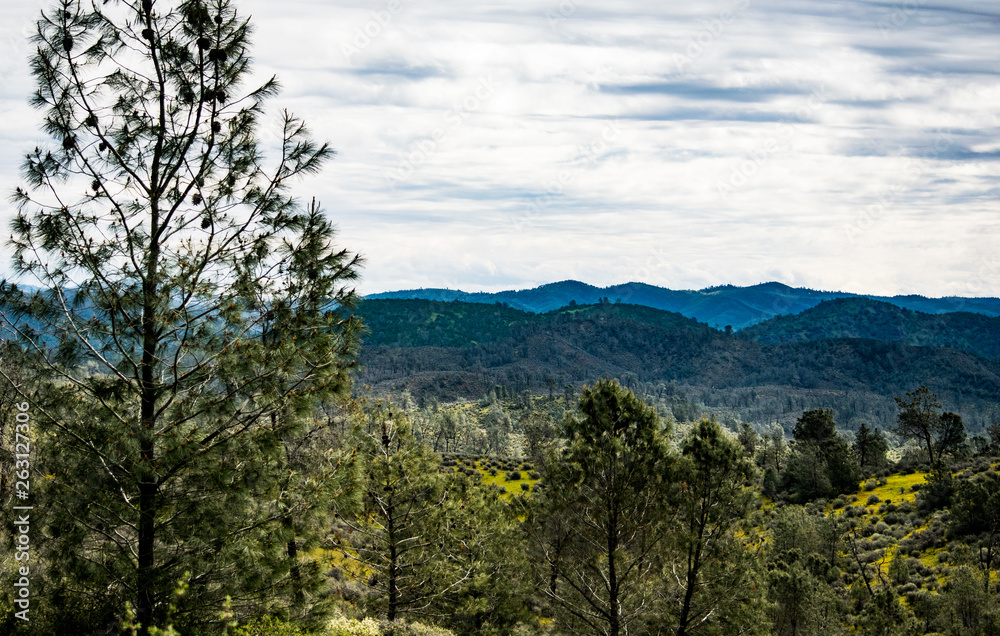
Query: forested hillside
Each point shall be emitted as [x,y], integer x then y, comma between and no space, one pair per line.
[449,350]
[876,320]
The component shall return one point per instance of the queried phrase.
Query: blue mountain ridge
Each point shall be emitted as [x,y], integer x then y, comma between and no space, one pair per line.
[738,307]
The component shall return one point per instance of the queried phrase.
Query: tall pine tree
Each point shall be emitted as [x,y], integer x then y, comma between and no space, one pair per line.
[599,523]
[191,312]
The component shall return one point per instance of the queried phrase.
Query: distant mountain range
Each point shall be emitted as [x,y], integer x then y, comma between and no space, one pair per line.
[738,307]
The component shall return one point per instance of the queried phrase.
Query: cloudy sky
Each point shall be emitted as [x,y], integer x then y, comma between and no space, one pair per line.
[836,144]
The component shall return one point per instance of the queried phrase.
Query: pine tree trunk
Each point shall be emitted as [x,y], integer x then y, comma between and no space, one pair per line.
[293,557]
[691,580]
[393,570]
[144,580]
[145,583]
[614,613]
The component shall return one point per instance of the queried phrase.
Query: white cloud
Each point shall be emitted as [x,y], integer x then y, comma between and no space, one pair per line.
[840,145]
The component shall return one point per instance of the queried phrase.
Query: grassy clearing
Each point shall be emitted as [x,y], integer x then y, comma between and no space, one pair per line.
[511,487]
[897,488]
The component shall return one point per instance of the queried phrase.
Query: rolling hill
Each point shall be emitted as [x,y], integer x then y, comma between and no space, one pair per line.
[739,307]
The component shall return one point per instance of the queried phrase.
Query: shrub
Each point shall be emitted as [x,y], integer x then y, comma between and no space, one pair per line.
[268,626]
[853,511]
[839,503]
[873,499]
[534,475]
[399,628]
[493,472]
[525,487]
[870,485]
[513,475]
[341,626]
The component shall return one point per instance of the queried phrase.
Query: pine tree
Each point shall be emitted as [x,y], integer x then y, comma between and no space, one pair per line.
[717,581]
[870,448]
[486,550]
[190,313]
[401,535]
[600,521]
[823,464]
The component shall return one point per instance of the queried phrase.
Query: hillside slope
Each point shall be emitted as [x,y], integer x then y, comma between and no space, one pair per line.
[876,320]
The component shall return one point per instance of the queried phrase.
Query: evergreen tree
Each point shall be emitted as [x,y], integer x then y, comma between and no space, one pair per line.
[485,542]
[994,433]
[823,464]
[191,311]
[968,609]
[749,439]
[406,528]
[885,615]
[717,589]
[599,523]
[975,510]
[870,448]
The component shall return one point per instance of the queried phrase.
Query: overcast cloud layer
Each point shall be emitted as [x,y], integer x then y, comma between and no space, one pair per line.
[842,145]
